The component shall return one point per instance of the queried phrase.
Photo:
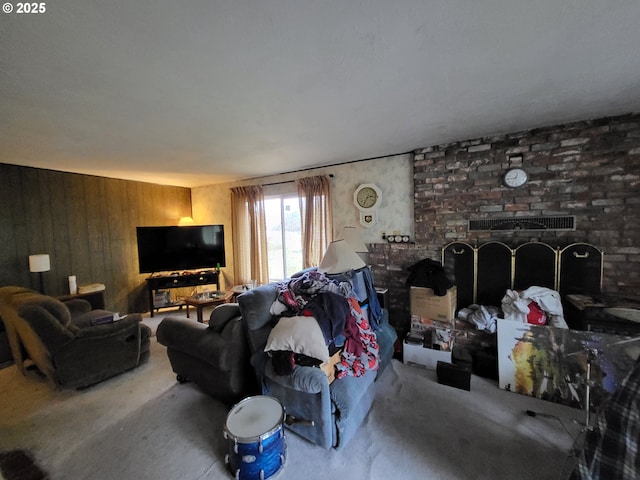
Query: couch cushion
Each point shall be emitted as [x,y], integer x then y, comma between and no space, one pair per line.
[54,307]
[255,306]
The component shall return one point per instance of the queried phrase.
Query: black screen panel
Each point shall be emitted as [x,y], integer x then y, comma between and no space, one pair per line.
[535,265]
[459,263]
[494,273]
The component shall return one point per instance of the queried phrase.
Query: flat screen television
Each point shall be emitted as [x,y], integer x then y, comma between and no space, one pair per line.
[192,247]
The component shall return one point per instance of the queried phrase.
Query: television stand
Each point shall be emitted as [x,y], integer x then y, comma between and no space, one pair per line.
[189,279]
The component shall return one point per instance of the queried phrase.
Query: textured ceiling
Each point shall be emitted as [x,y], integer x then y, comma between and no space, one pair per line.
[201,92]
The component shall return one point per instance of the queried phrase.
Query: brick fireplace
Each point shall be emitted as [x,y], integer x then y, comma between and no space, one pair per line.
[588,169]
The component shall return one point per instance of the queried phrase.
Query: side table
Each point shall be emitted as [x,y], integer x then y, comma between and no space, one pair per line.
[96,299]
[206,300]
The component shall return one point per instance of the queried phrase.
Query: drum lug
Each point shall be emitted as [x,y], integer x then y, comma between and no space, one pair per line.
[226,459]
[238,474]
[260,446]
[235,446]
[261,474]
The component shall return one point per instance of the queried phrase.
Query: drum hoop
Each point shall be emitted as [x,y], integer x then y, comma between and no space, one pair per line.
[262,436]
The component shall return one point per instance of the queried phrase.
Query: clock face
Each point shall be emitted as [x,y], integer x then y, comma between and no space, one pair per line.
[367,197]
[516,177]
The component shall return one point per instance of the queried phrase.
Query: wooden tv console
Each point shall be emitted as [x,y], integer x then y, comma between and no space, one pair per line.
[179,280]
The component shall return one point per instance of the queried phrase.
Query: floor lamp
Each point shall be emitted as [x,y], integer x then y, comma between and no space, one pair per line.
[39,263]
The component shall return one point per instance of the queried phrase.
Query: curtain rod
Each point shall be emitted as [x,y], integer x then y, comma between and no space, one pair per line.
[326,166]
[286,181]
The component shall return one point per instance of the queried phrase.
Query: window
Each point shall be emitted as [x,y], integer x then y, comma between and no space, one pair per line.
[284,236]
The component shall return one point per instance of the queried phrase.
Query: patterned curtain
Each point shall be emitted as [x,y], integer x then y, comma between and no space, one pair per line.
[317,223]
[249,235]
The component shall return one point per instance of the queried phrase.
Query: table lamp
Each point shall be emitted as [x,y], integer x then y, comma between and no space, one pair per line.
[354,239]
[339,258]
[39,263]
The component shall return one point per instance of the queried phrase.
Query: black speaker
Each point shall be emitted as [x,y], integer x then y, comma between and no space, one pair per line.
[454,375]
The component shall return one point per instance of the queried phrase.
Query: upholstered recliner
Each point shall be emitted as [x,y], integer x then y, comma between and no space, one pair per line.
[8,339]
[5,350]
[70,350]
[337,409]
[214,356]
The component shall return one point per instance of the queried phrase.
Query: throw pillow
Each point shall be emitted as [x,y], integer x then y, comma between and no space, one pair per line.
[299,334]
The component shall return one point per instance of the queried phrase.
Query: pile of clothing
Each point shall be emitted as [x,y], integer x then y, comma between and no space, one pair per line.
[430,274]
[484,318]
[535,305]
[344,325]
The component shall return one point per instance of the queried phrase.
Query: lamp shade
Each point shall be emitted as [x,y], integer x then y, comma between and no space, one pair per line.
[339,258]
[353,238]
[39,262]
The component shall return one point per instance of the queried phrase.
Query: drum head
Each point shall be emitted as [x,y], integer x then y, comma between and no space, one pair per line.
[253,417]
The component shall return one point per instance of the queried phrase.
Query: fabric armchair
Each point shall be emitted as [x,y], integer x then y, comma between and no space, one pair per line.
[214,356]
[8,337]
[72,355]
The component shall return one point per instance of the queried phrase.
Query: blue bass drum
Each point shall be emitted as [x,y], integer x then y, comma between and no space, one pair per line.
[254,430]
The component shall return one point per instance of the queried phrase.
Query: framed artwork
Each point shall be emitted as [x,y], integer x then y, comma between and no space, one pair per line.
[551,363]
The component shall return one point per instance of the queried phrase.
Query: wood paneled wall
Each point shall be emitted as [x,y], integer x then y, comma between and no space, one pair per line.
[87,225]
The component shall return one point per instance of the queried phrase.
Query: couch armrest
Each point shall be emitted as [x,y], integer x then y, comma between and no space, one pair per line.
[302,379]
[222,315]
[202,342]
[306,396]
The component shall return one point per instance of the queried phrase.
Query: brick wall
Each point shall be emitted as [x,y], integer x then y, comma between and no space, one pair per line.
[589,169]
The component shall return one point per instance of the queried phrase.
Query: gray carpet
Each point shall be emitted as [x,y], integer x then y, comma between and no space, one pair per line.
[142,425]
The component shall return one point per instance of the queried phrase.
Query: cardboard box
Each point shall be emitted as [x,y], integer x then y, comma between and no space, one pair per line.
[422,356]
[425,303]
[328,367]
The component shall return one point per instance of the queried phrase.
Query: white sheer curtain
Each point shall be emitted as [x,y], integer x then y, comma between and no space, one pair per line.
[315,209]
[249,235]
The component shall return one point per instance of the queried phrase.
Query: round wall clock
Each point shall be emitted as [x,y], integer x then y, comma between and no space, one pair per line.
[515,177]
[367,197]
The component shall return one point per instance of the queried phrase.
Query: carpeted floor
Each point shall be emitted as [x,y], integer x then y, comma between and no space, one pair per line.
[143,425]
